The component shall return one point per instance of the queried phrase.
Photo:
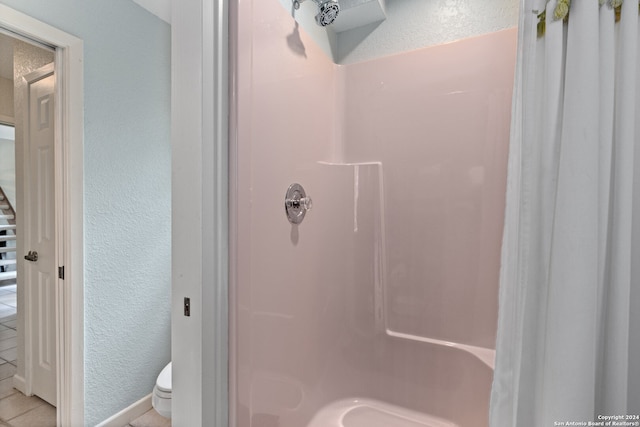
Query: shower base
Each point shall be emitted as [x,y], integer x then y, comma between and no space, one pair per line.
[373,413]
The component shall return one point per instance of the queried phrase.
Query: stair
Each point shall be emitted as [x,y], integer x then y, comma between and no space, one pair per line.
[7,236]
[8,275]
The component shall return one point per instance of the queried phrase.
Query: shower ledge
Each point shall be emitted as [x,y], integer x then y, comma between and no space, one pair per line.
[373,413]
[485,355]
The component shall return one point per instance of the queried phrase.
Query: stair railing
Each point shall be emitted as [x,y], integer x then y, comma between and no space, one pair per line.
[6,209]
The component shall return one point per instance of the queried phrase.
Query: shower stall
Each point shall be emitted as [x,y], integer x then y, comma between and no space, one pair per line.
[379,307]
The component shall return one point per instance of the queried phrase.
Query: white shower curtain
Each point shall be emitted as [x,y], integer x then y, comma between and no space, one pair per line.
[568,345]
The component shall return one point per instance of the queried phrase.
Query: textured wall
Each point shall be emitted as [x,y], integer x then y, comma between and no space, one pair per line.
[413,24]
[127,194]
[6,97]
[410,24]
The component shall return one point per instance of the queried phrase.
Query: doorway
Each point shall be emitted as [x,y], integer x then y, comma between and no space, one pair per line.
[29,392]
[64,304]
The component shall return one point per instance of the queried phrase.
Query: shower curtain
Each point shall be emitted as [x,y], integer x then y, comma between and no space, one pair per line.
[568,347]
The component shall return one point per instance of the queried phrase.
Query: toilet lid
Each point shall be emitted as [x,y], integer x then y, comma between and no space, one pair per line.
[164,379]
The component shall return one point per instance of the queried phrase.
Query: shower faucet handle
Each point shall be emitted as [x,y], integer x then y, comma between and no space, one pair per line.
[307,203]
[296,203]
[300,203]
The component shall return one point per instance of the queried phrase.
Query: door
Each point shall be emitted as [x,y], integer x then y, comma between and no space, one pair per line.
[41,269]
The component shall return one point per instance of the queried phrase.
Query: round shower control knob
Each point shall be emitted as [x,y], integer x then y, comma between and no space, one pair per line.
[307,203]
[296,203]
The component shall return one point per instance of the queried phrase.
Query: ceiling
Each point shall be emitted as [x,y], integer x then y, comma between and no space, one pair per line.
[160,8]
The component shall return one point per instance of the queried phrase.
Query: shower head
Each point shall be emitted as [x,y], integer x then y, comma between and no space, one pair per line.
[327,10]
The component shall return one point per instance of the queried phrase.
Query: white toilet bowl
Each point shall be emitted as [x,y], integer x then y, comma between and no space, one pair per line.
[161,399]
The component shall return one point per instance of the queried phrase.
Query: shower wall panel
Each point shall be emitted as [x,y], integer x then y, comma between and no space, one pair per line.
[438,119]
[284,300]
[401,244]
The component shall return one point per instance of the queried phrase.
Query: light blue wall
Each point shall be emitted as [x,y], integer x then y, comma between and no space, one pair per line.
[127,164]
[414,24]
[410,24]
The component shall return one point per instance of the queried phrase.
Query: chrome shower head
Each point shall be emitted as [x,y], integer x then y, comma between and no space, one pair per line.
[327,10]
[328,13]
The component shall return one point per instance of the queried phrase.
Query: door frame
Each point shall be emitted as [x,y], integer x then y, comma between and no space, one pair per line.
[69,122]
[200,112]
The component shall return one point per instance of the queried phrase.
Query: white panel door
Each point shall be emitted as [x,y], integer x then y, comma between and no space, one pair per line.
[41,274]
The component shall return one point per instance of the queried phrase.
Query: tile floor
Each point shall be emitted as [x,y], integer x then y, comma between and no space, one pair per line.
[150,419]
[16,409]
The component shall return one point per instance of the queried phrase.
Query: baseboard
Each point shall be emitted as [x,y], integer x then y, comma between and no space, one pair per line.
[20,384]
[128,414]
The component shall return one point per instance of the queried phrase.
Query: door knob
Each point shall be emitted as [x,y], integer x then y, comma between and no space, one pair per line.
[31,256]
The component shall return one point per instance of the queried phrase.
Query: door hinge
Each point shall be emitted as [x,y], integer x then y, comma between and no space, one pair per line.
[187,307]
[61,272]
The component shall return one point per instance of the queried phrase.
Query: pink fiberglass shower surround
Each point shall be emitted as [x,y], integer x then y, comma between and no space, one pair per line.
[380,308]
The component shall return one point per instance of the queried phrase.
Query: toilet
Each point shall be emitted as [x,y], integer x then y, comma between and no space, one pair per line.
[161,399]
